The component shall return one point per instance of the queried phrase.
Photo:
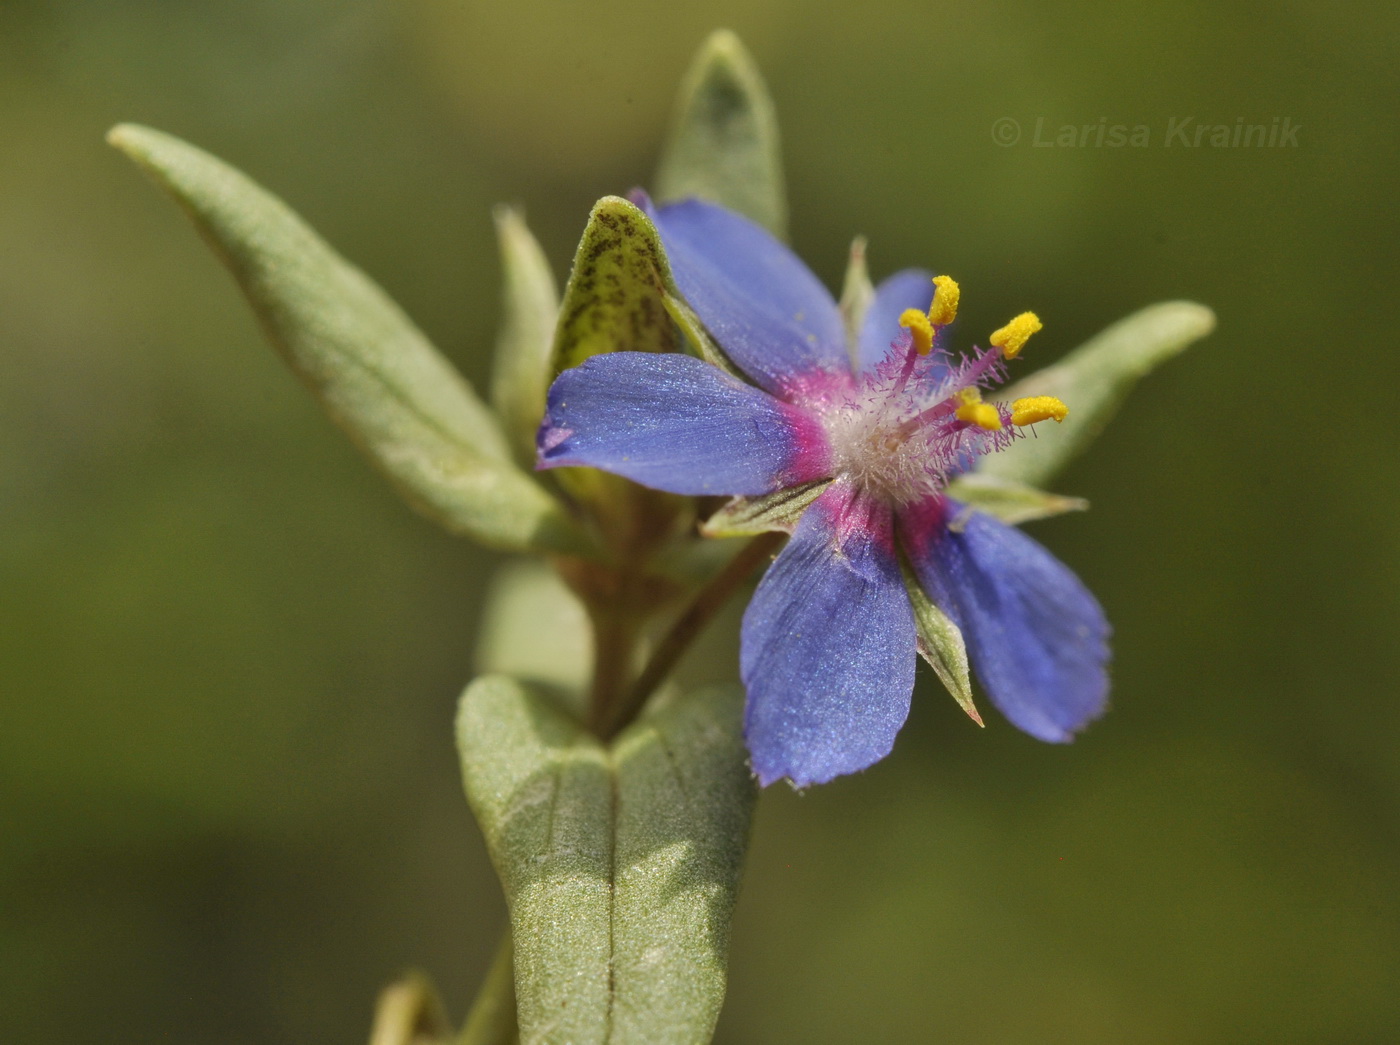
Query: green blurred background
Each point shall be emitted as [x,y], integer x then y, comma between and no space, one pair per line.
[229,808]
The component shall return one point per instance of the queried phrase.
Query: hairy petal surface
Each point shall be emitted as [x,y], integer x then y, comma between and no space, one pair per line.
[767,310]
[675,423]
[827,653]
[1038,639]
[910,288]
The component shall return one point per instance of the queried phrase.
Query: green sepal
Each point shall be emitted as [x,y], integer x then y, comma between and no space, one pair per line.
[771,513]
[530,312]
[723,145]
[620,865]
[857,292]
[1011,502]
[940,642]
[1093,381]
[376,374]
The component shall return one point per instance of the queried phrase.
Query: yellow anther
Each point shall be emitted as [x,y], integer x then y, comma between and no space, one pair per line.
[1038,408]
[1013,337]
[945,301]
[983,415]
[919,327]
[975,412]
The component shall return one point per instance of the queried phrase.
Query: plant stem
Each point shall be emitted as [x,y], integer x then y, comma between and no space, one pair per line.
[491,1020]
[615,633]
[688,626]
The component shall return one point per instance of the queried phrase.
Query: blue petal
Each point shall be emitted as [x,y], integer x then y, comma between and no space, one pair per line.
[1037,638]
[911,288]
[675,423]
[827,653]
[770,314]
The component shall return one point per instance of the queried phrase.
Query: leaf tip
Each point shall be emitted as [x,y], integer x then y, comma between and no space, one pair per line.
[723,143]
[1189,321]
[616,205]
[119,134]
[723,61]
[507,215]
[1189,318]
[148,148]
[1204,316]
[724,46]
[133,139]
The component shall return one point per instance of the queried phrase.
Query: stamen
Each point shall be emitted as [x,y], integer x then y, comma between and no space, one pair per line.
[945,301]
[919,327]
[975,412]
[1038,408]
[1013,337]
[910,423]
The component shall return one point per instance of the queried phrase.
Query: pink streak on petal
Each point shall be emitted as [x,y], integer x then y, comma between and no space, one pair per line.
[856,516]
[811,450]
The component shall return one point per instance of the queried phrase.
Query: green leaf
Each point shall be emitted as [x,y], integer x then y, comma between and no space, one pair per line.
[619,865]
[776,512]
[856,295]
[1011,502]
[534,628]
[684,800]
[620,296]
[377,376]
[1093,380]
[615,300]
[409,1012]
[723,145]
[542,791]
[530,312]
[940,642]
[491,1018]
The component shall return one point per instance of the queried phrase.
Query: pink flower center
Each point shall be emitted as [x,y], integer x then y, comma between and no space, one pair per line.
[899,432]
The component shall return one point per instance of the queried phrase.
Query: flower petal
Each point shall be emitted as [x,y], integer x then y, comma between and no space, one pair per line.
[911,288]
[827,654]
[763,305]
[678,424]
[1038,638]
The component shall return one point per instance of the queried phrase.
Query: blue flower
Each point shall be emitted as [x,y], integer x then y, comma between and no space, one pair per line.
[829,641]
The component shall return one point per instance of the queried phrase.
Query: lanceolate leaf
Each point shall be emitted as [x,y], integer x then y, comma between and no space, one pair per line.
[530,311]
[620,296]
[409,1012]
[857,293]
[1093,380]
[534,628]
[620,865]
[405,406]
[724,140]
